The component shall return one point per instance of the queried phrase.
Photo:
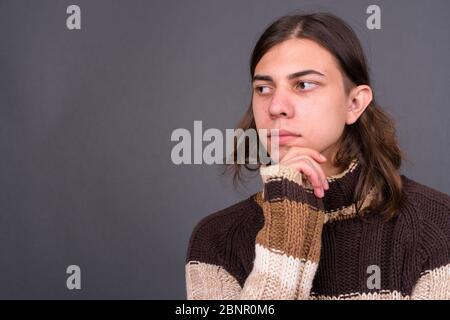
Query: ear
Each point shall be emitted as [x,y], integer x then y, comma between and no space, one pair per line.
[359,99]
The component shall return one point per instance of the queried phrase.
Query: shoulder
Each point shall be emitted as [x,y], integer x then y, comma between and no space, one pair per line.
[216,234]
[433,204]
[430,213]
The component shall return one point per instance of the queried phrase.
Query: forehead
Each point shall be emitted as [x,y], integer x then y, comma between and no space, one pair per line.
[297,54]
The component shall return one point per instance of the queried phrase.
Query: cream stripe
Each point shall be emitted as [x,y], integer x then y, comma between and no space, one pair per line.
[308,272]
[381,295]
[286,272]
[210,282]
[278,172]
[433,284]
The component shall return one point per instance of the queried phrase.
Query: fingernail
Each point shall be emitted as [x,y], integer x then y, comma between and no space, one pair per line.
[323,157]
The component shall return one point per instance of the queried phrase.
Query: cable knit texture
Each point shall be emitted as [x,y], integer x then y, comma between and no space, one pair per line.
[285,243]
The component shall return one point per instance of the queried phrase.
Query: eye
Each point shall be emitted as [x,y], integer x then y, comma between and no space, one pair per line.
[262,89]
[305,85]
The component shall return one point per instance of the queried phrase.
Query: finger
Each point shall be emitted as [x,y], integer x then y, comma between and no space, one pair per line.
[310,172]
[317,179]
[323,183]
[321,173]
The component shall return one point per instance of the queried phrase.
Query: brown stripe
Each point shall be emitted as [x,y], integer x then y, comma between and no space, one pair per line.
[293,228]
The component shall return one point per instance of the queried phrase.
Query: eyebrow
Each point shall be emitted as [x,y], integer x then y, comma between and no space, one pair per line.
[289,77]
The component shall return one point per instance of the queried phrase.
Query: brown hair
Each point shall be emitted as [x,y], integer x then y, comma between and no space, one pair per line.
[371,139]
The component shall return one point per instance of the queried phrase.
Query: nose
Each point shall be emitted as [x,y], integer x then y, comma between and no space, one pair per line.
[280,105]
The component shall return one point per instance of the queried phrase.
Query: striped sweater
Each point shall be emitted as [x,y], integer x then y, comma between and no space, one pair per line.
[285,243]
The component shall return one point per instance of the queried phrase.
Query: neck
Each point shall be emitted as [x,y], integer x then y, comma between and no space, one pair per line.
[329,169]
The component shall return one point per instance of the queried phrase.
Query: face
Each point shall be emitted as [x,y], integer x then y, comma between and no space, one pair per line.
[298,87]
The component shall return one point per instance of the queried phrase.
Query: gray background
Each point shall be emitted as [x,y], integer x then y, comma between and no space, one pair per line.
[86,117]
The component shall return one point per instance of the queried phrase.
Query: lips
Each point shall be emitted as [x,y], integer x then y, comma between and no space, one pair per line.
[282,133]
[283,136]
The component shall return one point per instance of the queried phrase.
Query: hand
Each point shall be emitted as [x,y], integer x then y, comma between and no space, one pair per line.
[306,161]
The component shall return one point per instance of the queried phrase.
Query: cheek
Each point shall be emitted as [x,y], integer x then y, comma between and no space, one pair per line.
[260,114]
[326,120]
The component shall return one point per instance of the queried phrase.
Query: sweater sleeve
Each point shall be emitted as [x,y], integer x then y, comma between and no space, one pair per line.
[434,280]
[287,248]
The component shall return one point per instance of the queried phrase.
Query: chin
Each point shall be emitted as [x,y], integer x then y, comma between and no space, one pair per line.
[281,152]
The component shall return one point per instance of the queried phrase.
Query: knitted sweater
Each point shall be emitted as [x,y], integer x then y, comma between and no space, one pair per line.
[285,243]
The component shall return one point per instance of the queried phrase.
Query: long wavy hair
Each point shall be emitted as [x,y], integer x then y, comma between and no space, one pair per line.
[371,139]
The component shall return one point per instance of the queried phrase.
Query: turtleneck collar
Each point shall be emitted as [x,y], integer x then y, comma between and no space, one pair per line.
[338,199]
[342,188]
